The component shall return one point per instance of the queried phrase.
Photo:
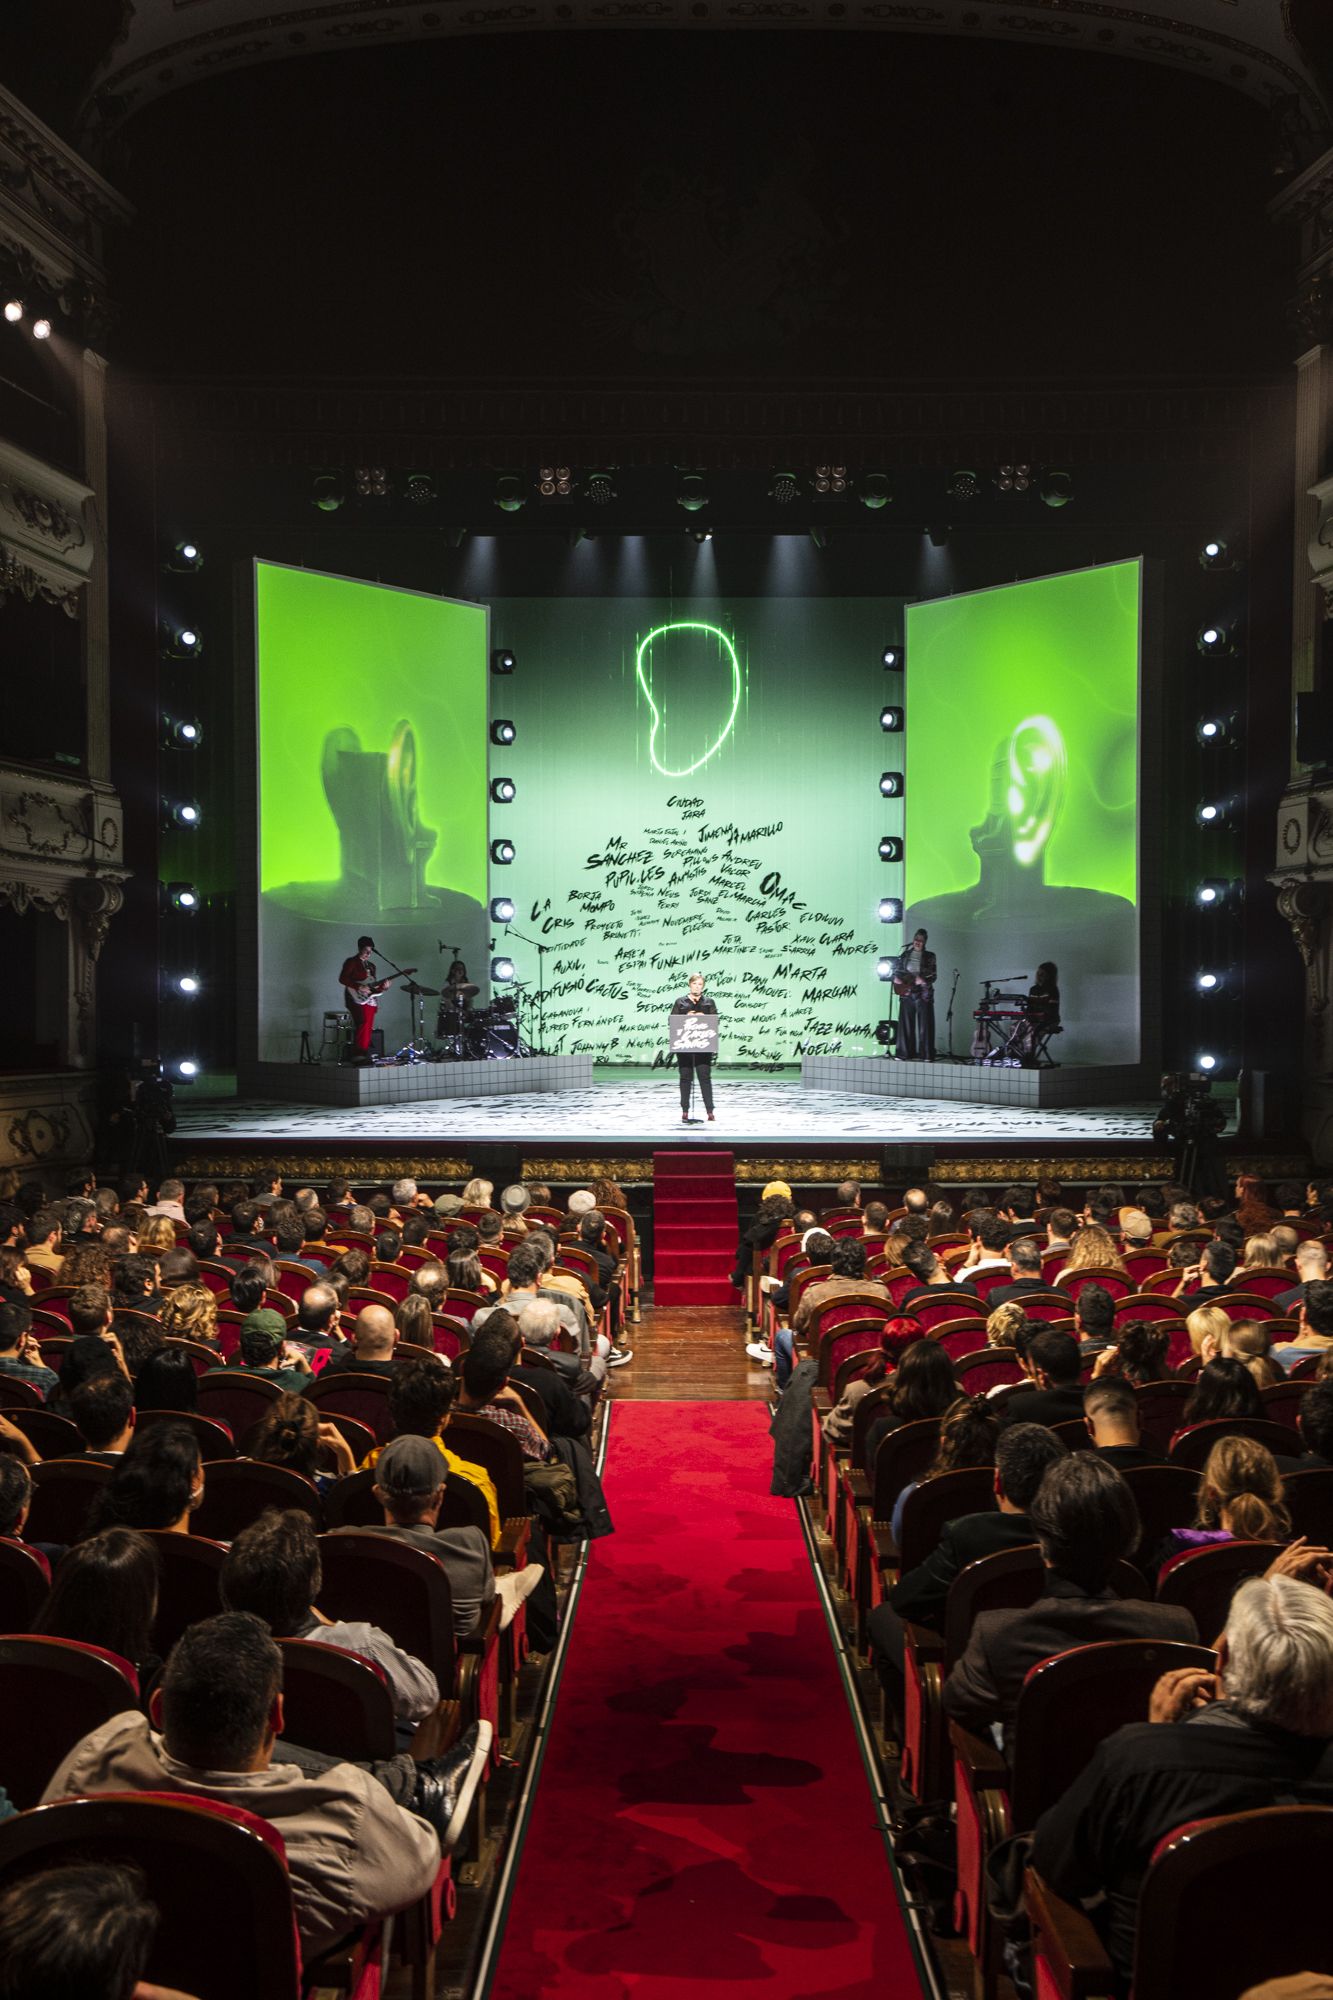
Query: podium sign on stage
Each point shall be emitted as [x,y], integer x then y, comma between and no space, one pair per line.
[692,1034]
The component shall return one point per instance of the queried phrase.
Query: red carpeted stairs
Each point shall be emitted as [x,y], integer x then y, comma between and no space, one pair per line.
[695,1229]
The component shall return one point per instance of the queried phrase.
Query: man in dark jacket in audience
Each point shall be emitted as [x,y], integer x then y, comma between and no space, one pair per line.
[1052,1362]
[1111,1413]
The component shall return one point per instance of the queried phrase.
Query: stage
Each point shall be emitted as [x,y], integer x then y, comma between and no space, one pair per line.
[630,1117]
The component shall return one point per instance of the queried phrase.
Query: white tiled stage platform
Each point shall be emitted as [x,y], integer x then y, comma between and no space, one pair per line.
[771,1110]
[350,1086]
[983,1083]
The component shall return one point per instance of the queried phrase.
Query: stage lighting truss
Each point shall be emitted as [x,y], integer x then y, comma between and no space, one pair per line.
[891,719]
[502,791]
[502,852]
[510,493]
[890,909]
[503,661]
[182,896]
[891,784]
[182,642]
[502,731]
[784,488]
[894,658]
[874,490]
[1215,641]
[502,910]
[555,482]
[891,848]
[183,813]
[502,970]
[371,482]
[1013,478]
[184,734]
[830,482]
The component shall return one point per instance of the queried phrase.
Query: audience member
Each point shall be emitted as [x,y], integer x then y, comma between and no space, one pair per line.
[370,1350]
[1093,1249]
[103,1409]
[929,1275]
[923,1385]
[1222,1388]
[158,1483]
[1311,1269]
[21,1353]
[1315,1334]
[291,1433]
[1111,1413]
[1240,1499]
[873,1371]
[1094,1321]
[104,1593]
[485,1390]
[1025,1255]
[167,1381]
[264,1350]
[968,1432]
[1138,1353]
[78,1932]
[1051,1361]
[420,1400]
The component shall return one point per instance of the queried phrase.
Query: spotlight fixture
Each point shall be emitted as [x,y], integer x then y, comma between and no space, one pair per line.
[502,968]
[184,813]
[1209,982]
[1212,893]
[502,910]
[502,852]
[891,719]
[1215,555]
[1212,728]
[185,557]
[890,909]
[600,487]
[555,482]
[692,493]
[830,482]
[886,1033]
[963,484]
[502,730]
[1215,641]
[784,487]
[502,661]
[502,791]
[891,784]
[371,482]
[41,329]
[894,658]
[182,896]
[1205,1061]
[874,490]
[1057,488]
[328,492]
[183,642]
[509,493]
[884,968]
[187,983]
[700,534]
[187,1068]
[891,848]
[1014,478]
[13,311]
[1212,812]
[419,488]
[182,735]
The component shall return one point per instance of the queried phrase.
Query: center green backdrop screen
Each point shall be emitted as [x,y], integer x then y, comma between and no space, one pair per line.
[1023,798]
[371,719]
[697,787]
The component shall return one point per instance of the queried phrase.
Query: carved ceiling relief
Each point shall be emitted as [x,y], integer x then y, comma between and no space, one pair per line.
[17,575]
[1306,906]
[44,824]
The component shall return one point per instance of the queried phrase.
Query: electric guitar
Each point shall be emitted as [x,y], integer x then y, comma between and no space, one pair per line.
[367,995]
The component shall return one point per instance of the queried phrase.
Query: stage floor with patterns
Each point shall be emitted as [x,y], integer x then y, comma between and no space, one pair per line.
[758,1112]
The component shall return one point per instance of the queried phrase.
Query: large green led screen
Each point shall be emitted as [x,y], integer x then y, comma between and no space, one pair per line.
[371,717]
[1022,799]
[697,786]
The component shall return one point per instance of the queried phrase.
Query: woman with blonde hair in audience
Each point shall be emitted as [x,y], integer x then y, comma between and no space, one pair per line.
[1206,1323]
[968,1430]
[1005,1323]
[157,1236]
[1240,1499]
[412,1317]
[1262,1253]
[190,1312]
[1246,1341]
[478,1192]
[1093,1249]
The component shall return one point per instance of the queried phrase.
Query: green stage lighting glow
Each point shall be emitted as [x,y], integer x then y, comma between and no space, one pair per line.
[643,672]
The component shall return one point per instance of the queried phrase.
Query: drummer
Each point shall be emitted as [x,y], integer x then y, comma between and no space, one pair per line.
[457,986]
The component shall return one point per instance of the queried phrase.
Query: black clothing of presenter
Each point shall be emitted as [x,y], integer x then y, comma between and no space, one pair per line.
[696,1001]
[916,1011]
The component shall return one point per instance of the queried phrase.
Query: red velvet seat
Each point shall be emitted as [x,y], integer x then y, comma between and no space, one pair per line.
[213,1439]
[1161,1408]
[358,1393]
[25,1578]
[62,1493]
[1191,1445]
[988,1369]
[1205,1580]
[234,1397]
[188,1590]
[1309,1500]
[237,1490]
[52,1436]
[335,1701]
[62,1690]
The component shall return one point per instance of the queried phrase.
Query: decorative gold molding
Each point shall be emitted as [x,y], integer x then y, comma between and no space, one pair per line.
[358,1168]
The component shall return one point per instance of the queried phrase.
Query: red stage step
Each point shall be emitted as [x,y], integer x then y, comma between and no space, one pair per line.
[695,1228]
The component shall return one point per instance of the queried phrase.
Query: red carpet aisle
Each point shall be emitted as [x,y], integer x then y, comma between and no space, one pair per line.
[694,1228]
[703,1824]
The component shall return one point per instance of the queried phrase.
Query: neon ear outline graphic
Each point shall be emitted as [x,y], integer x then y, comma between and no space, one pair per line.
[640,659]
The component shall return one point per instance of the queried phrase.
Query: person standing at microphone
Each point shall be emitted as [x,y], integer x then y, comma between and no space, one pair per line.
[362,986]
[695,1001]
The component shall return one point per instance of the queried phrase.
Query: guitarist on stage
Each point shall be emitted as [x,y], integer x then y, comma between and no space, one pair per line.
[362,987]
[914,983]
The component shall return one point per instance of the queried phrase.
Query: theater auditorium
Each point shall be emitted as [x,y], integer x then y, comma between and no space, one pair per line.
[666,910]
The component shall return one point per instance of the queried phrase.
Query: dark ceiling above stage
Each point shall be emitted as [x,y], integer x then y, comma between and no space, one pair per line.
[774,208]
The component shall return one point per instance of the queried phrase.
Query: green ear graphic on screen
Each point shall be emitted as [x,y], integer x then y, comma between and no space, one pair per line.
[699,703]
[1028,781]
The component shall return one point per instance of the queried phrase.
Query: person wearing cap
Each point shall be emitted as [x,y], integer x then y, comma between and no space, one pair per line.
[410,1475]
[264,1351]
[515,1200]
[448,1204]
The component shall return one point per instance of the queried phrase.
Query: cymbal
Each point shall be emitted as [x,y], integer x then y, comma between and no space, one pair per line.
[426,992]
[462,992]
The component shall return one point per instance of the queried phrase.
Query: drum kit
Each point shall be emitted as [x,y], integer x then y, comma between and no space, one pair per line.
[467,1034]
